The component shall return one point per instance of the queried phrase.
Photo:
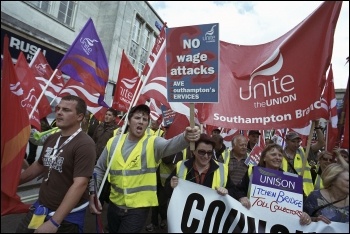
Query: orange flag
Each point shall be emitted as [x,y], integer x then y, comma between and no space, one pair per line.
[15,130]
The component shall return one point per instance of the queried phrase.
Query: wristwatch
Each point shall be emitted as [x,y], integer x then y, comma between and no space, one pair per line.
[91,192]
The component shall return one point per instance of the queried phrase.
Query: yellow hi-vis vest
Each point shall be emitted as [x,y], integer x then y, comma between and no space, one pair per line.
[134,182]
[226,156]
[219,178]
[299,158]
[165,170]
[318,184]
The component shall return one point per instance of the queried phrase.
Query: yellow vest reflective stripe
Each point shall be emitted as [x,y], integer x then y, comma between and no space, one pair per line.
[318,182]
[308,185]
[134,182]
[184,154]
[226,156]
[159,132]
[115,131]
[150,132]
[250,171]
[219,178]
[38,135]
[165,170]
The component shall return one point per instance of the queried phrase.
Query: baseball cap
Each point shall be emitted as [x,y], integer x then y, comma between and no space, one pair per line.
[292,136]
[251,132]
[142,107]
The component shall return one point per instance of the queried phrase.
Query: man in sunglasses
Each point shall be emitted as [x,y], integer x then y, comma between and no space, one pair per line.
[202,169]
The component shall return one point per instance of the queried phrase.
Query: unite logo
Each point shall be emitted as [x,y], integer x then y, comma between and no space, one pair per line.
[86,44]
[274,91]
[209,35]
[16,89]
[41,68]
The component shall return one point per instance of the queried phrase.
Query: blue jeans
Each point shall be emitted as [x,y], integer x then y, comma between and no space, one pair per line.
[126,220]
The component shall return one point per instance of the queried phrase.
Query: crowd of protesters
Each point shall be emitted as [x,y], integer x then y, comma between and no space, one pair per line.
[144,167]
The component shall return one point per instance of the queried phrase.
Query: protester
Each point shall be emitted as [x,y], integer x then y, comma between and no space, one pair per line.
[132,173]
[294,160]
[166,166]
[319,144]
[332,202]
[85,123]
[93,123]
[221,153]
[215,131]
[324,159]
[271,157]
[104,131]
[345,154]
[67,161]
[45,126]
[202,169]
[253,137]
[156,128]
[237,166]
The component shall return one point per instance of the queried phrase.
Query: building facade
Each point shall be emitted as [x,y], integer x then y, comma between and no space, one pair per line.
[52,26]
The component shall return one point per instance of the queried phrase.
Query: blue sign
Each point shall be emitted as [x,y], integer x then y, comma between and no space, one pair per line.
[193,63]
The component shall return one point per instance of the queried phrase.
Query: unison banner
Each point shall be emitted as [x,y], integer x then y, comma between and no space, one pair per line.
[198,209]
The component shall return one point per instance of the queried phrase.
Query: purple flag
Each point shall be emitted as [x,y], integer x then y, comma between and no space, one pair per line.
[86,61]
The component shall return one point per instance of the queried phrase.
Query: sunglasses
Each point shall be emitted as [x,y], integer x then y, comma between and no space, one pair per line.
[203,152]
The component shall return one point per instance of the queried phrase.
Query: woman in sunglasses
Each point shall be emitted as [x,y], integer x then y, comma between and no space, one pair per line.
[324,159]
[202,169]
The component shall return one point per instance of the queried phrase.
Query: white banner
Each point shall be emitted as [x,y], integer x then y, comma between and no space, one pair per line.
[198,209]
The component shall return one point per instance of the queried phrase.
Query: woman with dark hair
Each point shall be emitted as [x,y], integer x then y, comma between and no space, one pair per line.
[202,169]
[332,202]
[271,157]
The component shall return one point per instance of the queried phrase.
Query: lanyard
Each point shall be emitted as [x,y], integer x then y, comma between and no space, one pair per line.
[56,148]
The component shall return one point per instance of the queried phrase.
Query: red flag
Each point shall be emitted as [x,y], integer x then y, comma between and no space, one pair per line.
[32,92]
[15,130]
[228,135]
[329,96]
[128,81]
[86,61]
[156,111]
[267,82]
[91,97]
[43,72]
[178,126]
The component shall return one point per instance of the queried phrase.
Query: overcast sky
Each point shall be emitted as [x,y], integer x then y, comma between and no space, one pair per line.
[253,23]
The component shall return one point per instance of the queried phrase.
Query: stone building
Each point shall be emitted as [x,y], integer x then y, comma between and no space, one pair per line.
[52,26]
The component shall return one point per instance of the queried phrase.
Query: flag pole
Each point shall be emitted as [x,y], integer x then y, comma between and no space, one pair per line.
[42,94]
[33,59]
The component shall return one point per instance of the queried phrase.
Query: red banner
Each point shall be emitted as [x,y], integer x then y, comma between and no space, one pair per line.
[277,84]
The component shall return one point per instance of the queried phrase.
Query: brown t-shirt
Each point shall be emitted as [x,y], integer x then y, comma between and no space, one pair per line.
[77,159]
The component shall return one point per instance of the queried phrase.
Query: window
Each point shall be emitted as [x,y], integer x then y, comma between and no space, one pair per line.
[142,41]
[63,11]
[135,41]
[43,5]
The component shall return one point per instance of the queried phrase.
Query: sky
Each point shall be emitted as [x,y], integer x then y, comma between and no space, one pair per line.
[257,22]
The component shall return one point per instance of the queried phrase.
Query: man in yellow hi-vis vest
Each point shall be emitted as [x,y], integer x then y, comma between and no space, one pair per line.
[294,160]
[134,160]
